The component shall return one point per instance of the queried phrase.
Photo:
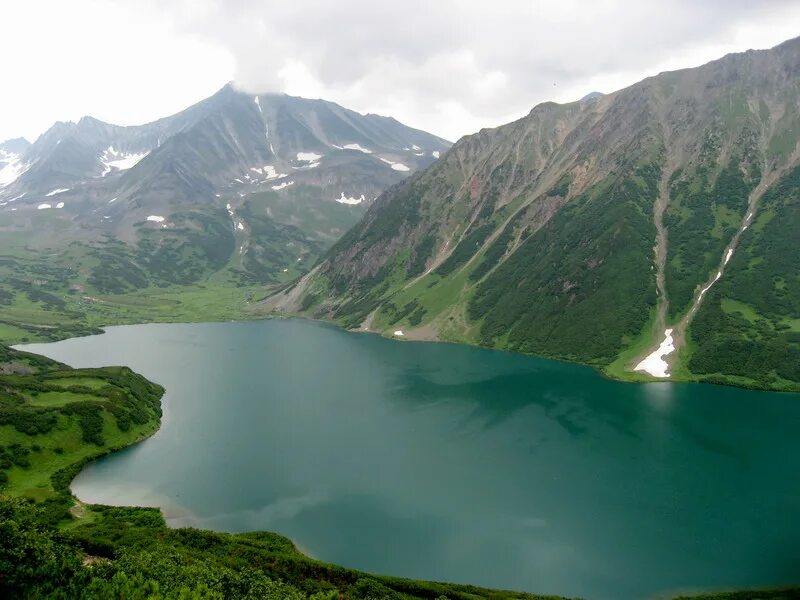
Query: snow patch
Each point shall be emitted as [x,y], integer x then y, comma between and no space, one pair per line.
[308,156]
[258,104]
[415,147]
[240,226]
[357,147]
[60,205]
[56,191]
[313,165]
[114,199]
[269,172]
[654,364]
[280,186]
[708,287]
[122,161]
[435,154]
[352,200]
[395,165]
[43,206]
[11,167]
[156,218]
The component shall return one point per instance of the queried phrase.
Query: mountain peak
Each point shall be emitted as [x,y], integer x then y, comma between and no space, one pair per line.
[15,146]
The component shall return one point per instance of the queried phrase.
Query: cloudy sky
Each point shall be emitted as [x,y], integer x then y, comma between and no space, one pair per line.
[447,66]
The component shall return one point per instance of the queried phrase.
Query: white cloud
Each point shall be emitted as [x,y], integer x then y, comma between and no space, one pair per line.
[450,67]
[118,61]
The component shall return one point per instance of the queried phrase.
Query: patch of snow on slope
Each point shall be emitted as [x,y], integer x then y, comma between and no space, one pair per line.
[122,161]
[239,226]
[60,205]
[114,199]
[312,165]
[728,255]
[708,287]
[56,191]
[43,206]
[415,147]
[357,147]
[308,156]
[654,364]
[435,154]
[156,218]
[268,171]
[258,104]
[396,165]
[280,186]
[11,167]
[353,200]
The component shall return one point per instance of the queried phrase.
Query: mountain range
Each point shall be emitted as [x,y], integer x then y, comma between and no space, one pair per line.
[257,183]
[651,232]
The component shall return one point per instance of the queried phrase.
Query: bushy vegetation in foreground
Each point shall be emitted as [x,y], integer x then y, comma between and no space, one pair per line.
[129,553]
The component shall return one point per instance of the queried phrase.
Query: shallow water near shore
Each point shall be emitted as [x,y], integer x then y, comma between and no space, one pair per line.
[445,462]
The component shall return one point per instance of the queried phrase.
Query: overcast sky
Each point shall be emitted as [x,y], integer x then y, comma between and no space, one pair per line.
[446,66]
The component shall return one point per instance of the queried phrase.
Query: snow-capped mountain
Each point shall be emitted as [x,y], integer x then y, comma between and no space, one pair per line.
[229,144]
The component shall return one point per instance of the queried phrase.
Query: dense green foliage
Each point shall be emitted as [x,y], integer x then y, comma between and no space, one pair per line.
[130,553]
[595,252]
[750,321]
[273,246]
[706,208]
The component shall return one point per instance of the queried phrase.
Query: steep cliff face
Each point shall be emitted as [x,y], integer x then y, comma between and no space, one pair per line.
[584,230]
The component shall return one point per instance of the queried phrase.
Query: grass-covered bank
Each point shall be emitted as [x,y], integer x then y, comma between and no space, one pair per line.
[54,419]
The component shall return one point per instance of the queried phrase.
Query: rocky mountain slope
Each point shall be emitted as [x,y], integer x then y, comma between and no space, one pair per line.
[260,184]
[651,231]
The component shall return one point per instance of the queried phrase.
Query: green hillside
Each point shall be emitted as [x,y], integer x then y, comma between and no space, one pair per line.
[584,231]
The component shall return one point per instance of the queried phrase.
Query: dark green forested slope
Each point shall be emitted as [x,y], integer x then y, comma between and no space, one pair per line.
[593,253]
[750,322]
[583,231]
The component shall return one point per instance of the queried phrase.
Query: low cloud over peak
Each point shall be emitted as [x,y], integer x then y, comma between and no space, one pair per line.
[450,67]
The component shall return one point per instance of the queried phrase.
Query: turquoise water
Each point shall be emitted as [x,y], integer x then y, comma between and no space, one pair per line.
[445,462]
